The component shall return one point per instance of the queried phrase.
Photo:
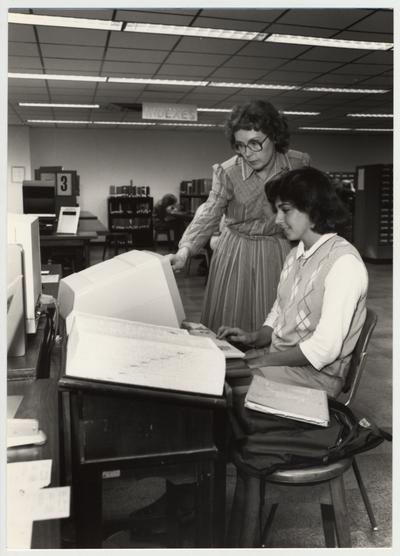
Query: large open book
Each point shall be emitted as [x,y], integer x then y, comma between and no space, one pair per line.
[128,352]
[294,402]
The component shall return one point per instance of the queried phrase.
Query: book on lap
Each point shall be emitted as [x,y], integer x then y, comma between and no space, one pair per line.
[285,400]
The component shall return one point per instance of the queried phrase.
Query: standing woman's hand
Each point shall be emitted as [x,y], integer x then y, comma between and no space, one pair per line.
[178,260]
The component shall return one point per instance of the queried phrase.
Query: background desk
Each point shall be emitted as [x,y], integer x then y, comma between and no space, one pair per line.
[109,428]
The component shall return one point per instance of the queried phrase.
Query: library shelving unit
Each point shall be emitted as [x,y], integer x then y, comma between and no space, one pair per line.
[373,215]
[344,182]
[133,215]
[192,193]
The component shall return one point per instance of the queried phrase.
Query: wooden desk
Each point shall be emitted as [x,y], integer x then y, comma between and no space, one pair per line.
[78,244]
[111,428]
[40,402]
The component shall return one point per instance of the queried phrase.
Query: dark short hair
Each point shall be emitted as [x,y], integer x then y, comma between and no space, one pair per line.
[310,191]
[259,115]
[168,199]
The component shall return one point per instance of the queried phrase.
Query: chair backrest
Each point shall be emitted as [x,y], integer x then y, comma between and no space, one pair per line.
[358,358]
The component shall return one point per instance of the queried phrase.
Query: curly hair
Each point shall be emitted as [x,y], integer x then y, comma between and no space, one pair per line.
[312,192]
[262,116]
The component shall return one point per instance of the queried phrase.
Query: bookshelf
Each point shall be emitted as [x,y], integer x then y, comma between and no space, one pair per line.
[193,193]
[134,215]
[344,183]
[373,215]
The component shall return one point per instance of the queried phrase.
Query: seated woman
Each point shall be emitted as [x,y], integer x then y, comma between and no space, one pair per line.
[320,307]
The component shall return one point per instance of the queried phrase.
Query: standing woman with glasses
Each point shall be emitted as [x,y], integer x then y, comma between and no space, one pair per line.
[248,259]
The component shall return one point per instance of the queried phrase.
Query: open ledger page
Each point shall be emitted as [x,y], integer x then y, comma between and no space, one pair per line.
[127,352]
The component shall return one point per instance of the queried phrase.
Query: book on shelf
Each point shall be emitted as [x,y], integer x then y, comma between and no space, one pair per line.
[128,352]
[198,329]
[285,400]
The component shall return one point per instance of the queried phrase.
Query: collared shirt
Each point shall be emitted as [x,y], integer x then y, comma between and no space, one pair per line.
[345,284]
[238,194]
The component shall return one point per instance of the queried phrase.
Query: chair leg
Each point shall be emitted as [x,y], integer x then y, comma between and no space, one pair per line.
[266,532]
[340,511]
[105,249]
[328,524]
[235,520]
[364,495]
[251,513]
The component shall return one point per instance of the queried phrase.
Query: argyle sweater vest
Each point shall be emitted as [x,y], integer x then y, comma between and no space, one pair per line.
[300,296]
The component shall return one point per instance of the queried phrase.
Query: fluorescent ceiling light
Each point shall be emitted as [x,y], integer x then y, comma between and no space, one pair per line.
[372,129]
[370,115]
[343,90]
[188,124]
[158,81]
[253,86]
[73,22]
[57,105]
[58,121]
[124,123]
[325,128]
[50,77]
[214,109]
[335,43]
[296,113]
[184,30]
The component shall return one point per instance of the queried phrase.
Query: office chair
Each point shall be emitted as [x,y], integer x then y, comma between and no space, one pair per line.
[245,520]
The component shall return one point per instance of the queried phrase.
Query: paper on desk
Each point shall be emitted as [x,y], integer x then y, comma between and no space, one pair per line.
[127,352]
[13,403]
[40,504]
[19,533]
[50,278]
[28,475]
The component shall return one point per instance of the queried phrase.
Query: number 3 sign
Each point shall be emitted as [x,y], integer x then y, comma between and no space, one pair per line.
[64,183]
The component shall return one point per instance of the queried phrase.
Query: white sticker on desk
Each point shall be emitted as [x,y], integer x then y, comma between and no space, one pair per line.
[28,475]
[47,503]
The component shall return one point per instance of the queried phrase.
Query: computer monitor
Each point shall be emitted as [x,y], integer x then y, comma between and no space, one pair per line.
[38,197]
[23,230]
[16,343]
[137,285]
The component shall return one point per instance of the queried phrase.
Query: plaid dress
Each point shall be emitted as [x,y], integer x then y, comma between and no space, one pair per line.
[246,264]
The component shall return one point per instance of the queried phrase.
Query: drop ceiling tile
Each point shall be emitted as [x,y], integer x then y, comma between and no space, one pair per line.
[111,88]
[361,69]
[21,33]
[154,16]
[72,51]
[84,37]
[241,74]
[61,66]
[199,44]
[142,41]
[326,17]
[320,53]
[364,36]
[383,58]
[263,63]
[337,79]
[290,77]
[198,72]
[198,59]
[22,49]
[308,66]
[241,14]
[132,55]
[379,22]
[77,86]
[273,50]
[128,69]
[21,63]
[379,81]
[28,85]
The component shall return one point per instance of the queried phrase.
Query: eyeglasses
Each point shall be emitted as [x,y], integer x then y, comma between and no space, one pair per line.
[252,145]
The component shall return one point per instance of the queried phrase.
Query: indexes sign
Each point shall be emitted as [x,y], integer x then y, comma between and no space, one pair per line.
[165,111]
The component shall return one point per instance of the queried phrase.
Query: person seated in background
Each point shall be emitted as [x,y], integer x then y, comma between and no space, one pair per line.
[320,306]
[167,218]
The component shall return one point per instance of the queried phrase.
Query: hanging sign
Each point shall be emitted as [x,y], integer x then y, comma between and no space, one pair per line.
[166,111]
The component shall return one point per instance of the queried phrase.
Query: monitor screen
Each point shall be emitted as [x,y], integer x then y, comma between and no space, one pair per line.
[137,285]
[38,198]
